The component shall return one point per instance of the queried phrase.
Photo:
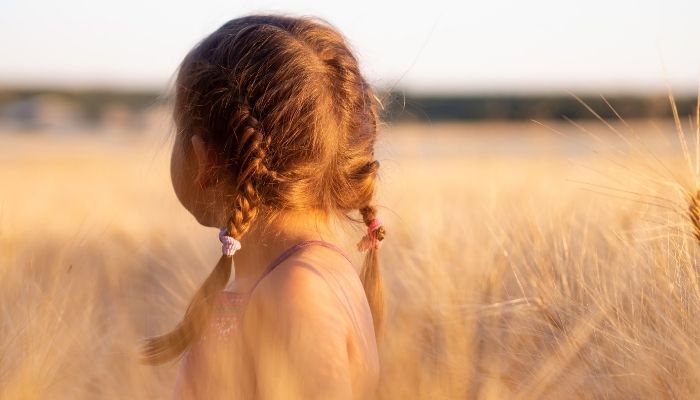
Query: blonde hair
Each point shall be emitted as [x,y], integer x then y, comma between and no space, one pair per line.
[293,123]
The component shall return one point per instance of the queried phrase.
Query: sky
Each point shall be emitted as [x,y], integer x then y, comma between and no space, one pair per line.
[437,46]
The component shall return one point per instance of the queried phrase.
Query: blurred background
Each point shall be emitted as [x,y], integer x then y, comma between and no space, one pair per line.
[75,66]
[516,134]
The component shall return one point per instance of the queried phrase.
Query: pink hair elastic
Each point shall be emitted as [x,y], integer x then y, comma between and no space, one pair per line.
[229,244]
[370,240]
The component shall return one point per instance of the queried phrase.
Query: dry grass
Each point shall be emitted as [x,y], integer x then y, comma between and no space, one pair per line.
[509,274]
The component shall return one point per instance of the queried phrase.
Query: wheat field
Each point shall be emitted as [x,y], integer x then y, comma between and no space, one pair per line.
[522,261]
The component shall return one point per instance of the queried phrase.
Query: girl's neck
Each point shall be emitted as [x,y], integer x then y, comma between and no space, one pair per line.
[266,241]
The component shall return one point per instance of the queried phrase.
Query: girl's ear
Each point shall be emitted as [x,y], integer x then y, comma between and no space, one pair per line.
[204,160]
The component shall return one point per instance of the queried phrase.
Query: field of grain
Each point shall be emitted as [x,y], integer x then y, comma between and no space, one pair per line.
[521,261]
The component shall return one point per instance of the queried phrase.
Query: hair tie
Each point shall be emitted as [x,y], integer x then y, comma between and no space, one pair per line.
[370,240]
[229,244]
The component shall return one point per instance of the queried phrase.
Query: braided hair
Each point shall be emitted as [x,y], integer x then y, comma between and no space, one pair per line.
[293,124]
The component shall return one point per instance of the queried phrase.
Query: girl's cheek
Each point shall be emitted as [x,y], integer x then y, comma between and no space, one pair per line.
[177,173]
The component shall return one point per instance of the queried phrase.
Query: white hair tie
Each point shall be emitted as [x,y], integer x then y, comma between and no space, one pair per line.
[229,244]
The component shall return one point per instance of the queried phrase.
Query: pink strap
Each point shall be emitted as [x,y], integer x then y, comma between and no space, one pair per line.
[291,250]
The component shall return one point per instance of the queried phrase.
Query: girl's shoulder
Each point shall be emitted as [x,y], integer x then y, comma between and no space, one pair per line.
[295,321]
[312,277]
[317,285]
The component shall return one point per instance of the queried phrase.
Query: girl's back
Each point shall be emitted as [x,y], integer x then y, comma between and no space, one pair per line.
[219,364]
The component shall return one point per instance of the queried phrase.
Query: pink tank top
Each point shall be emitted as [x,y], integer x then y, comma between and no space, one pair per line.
[228,305]
[197,375]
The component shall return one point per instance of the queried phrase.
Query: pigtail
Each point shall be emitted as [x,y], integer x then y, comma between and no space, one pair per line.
[163,348]
[310,106]
[252,150]
[370,275]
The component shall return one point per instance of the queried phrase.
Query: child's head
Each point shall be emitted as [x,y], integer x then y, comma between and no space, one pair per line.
[277,109]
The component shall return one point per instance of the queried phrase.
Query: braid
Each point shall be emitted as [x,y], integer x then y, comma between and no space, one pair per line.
[293,124]
[369,213]
[253,147]
[251,168]
[252,171]
[370,275]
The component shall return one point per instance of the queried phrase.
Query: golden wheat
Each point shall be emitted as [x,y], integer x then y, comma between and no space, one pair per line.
[508,275]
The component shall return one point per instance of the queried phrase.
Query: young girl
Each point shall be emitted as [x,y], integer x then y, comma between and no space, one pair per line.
[275,142]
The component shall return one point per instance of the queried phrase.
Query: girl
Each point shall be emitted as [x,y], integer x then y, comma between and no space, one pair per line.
[275,141]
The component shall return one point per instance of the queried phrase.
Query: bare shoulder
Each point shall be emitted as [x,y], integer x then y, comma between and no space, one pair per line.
[298,332]
[297,288]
